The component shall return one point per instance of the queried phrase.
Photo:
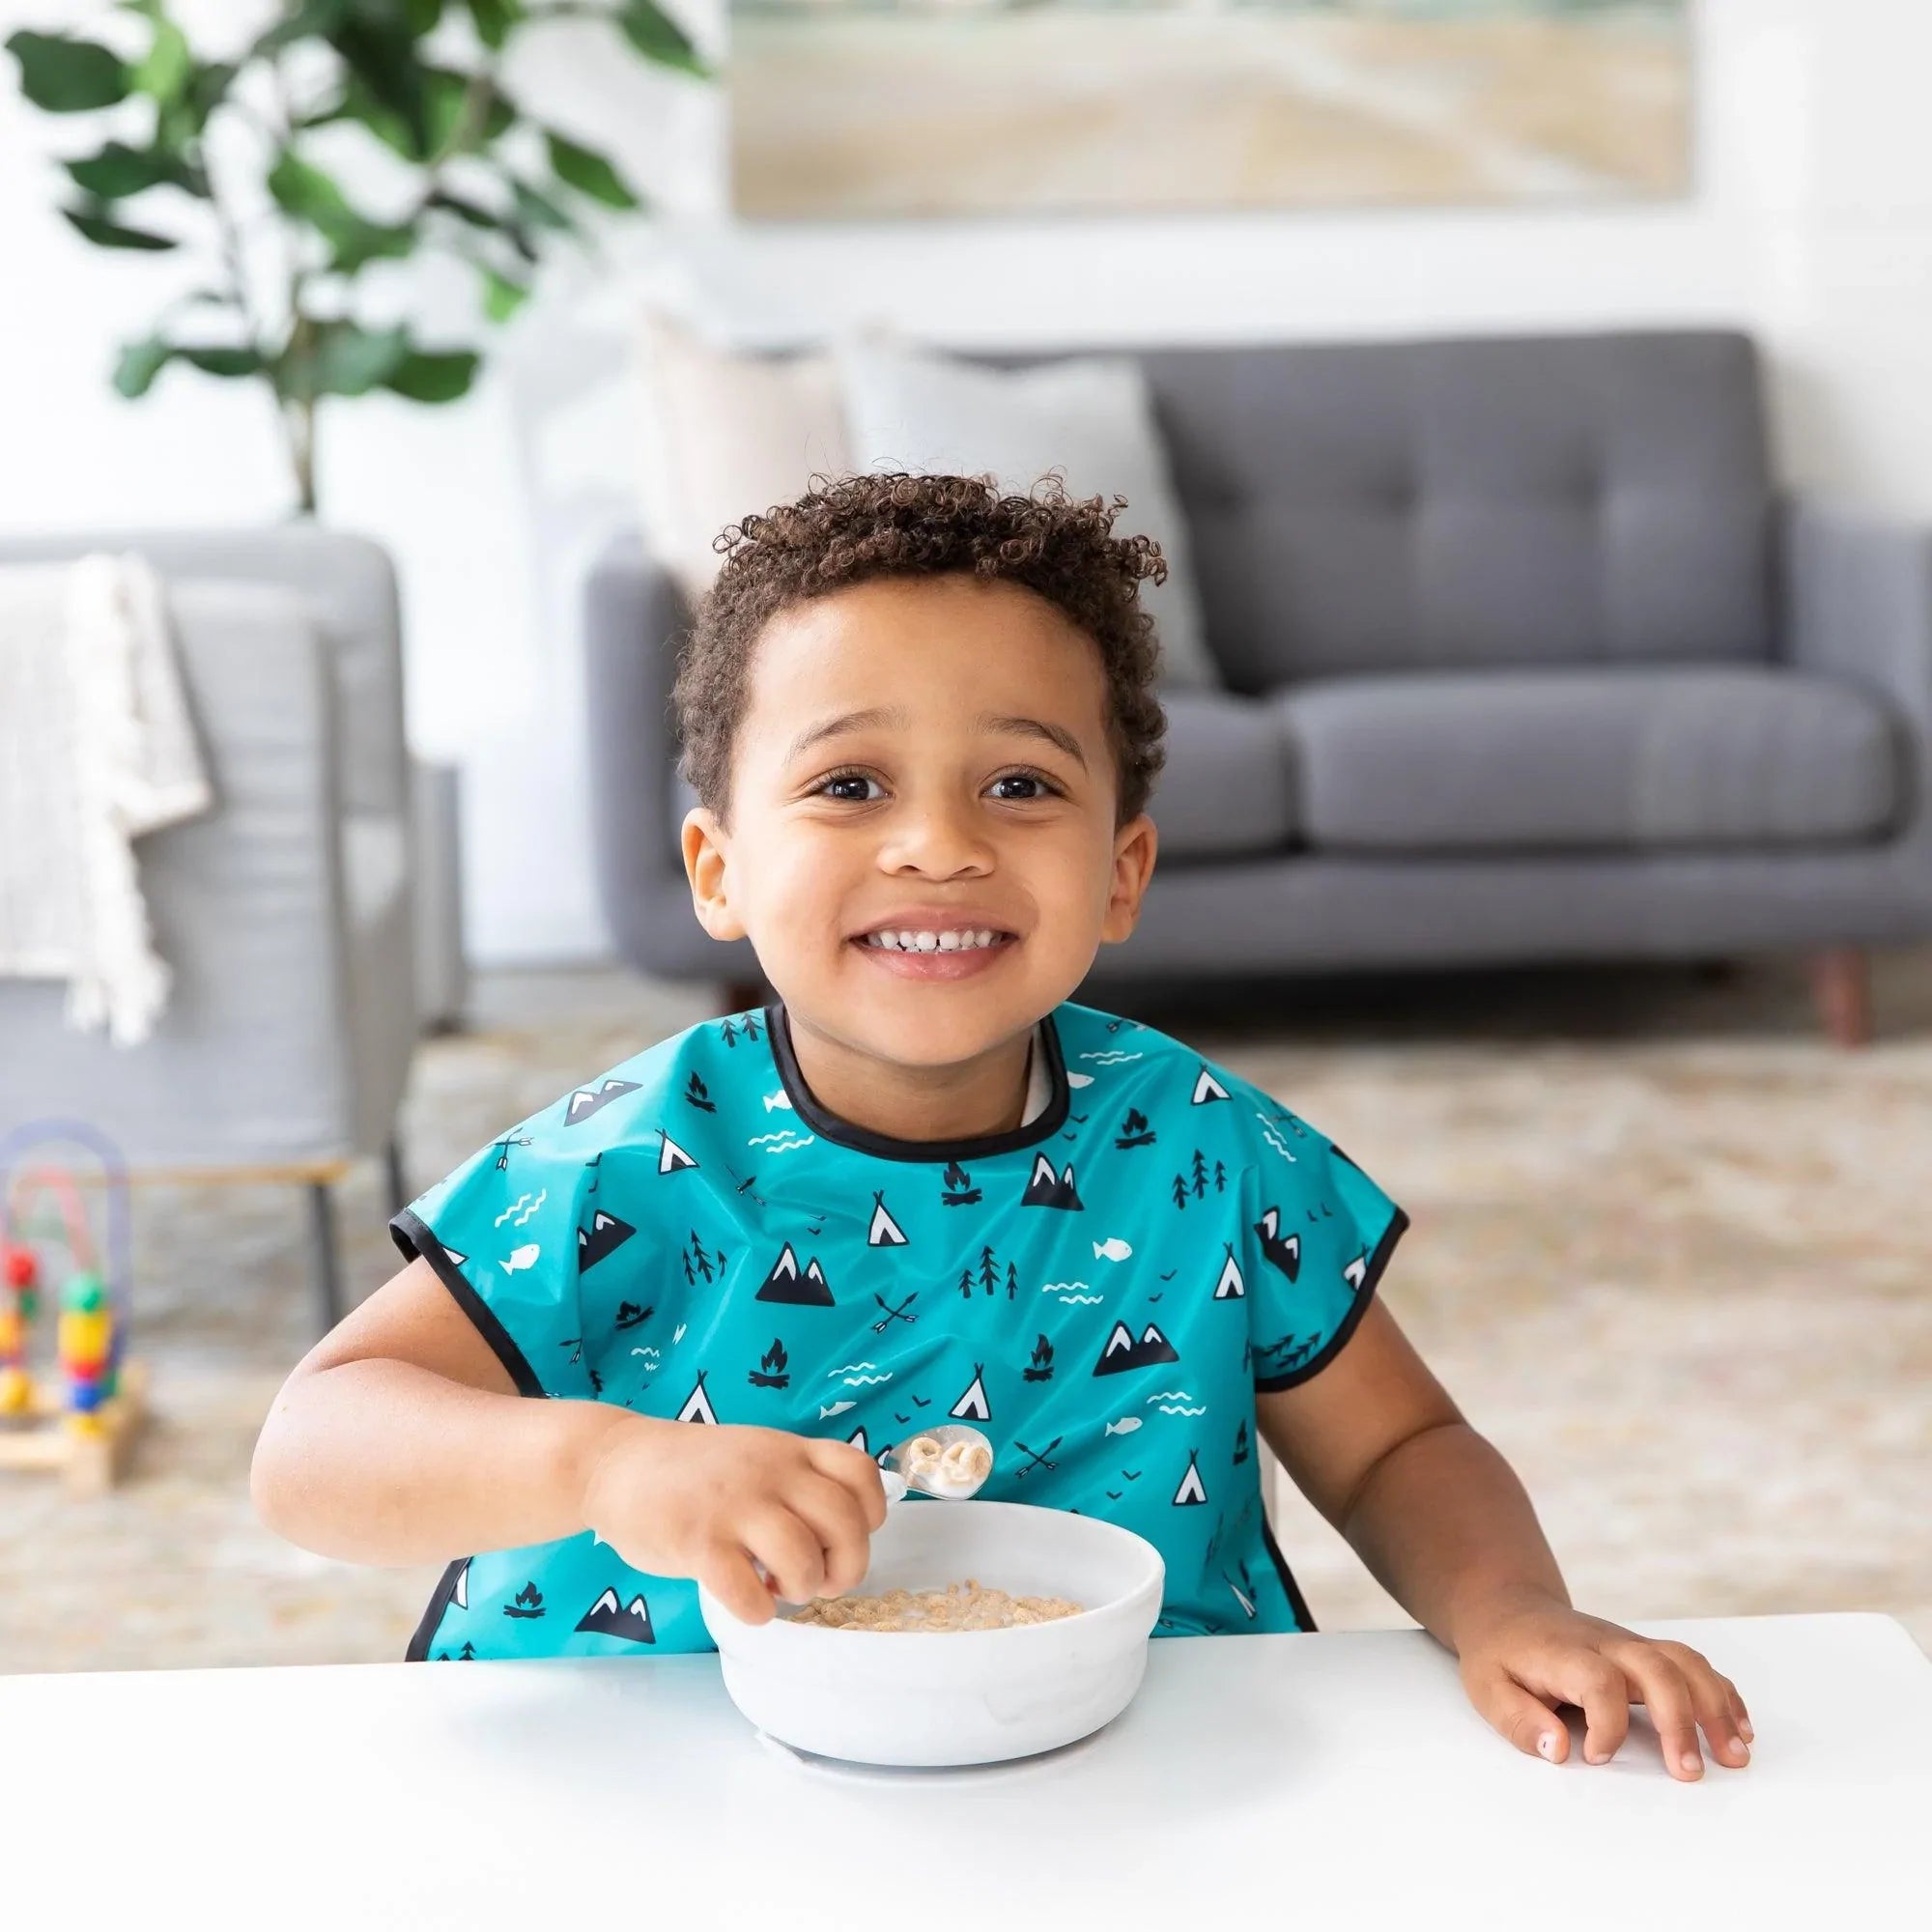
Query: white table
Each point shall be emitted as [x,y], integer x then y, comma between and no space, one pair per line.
[1254,1783]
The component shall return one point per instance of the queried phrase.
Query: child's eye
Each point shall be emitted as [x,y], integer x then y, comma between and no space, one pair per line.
[1047,787]
[824,787]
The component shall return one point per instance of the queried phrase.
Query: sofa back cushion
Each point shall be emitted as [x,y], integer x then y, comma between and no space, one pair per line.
[1442,505]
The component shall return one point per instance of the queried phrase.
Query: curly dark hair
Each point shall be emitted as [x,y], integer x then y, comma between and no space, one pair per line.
[850,529]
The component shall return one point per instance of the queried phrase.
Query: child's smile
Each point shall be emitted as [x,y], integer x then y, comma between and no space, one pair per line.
[934,943]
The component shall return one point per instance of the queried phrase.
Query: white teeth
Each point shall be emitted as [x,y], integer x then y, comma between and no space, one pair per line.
[966,941]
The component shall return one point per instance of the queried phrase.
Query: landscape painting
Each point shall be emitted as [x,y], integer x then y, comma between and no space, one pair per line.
[858,108]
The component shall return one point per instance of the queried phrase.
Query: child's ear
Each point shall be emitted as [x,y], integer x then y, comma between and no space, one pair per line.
[706,864]
[1134,847]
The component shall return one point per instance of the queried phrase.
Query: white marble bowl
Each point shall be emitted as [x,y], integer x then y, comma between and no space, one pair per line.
[958,1696]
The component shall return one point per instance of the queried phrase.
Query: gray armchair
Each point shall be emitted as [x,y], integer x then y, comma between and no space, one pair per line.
[285,913]
[1526,659]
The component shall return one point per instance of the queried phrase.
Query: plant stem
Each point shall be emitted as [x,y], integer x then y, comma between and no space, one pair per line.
[298,423]
[298,409]
[297,419]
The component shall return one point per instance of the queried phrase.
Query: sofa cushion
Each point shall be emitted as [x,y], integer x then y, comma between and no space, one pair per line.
[1448,504]
[728,433]
[1579,759]
[908,407]
[1228,786]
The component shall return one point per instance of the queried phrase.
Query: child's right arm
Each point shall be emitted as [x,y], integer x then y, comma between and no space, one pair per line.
[400,1438]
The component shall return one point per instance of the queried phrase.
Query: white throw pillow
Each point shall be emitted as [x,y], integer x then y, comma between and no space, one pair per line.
[1092,417]
[730,436]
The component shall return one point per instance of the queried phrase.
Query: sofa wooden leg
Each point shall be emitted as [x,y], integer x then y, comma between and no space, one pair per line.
[739,994]
[1842,987]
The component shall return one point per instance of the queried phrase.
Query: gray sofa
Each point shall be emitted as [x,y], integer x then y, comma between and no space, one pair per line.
[1527,659]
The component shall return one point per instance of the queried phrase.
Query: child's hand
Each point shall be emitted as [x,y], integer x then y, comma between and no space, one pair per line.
[685,1499]
[1526,1660]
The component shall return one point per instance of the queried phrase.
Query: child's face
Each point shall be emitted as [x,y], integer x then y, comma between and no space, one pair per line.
[886,773]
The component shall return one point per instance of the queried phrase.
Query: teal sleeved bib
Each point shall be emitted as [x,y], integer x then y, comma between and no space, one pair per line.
[1100,1291]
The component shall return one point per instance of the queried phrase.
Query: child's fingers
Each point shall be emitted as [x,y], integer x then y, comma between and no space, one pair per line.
[1739,1714]
[835,1515]
[1600,1690]
[854,1470]
[1714,1703]
[790,1550]
[1524,1720]
[726,1573]
[1661,1682]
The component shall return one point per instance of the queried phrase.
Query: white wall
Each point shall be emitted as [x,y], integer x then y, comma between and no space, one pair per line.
[1811,221]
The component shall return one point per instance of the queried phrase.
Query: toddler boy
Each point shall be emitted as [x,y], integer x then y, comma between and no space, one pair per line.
[922,1184]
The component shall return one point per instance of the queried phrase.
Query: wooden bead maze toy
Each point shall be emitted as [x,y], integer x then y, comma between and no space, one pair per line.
[83,1422]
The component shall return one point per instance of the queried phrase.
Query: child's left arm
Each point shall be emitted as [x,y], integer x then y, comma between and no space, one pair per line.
[1377,1446]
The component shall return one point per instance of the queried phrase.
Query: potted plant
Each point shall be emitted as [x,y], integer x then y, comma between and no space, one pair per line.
[223,156]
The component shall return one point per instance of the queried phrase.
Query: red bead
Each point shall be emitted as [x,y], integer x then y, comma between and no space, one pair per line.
[17,1264]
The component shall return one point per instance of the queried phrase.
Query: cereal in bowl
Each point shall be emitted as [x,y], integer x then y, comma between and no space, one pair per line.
[967,1606]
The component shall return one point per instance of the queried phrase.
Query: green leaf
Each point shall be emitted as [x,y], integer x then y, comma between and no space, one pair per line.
[312,196]
[476,216]
[588,173]
[224,361]
[361,105]
[305,190]
[537,209]
[450,111]
[383,58]
[168,65]
[139,364]
[494,19]
[501,296]
[119,170]
[658,37]
[68,76]
[310,19]
[341,359]
[427,376]
[354,243]
[107,233]
[180,119]
[210,83]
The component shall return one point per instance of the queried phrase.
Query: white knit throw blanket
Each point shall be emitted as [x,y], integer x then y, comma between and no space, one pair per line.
[96,749]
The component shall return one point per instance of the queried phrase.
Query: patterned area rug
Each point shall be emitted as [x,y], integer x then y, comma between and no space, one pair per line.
[1671,1252]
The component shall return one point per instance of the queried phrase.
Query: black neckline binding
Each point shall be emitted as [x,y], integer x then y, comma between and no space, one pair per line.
[886,1146]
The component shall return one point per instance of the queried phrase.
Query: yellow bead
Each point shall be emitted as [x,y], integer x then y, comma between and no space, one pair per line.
[83,1338]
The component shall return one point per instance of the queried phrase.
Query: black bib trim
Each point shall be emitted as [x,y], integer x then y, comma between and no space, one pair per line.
[885,1147]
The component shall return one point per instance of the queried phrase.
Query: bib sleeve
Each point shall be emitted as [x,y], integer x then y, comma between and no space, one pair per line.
[1322,1235]
[502,1232]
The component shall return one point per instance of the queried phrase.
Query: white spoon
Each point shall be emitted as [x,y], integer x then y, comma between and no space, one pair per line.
[952,1461]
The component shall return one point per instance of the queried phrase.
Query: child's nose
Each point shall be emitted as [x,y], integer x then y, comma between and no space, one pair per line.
[939,838]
